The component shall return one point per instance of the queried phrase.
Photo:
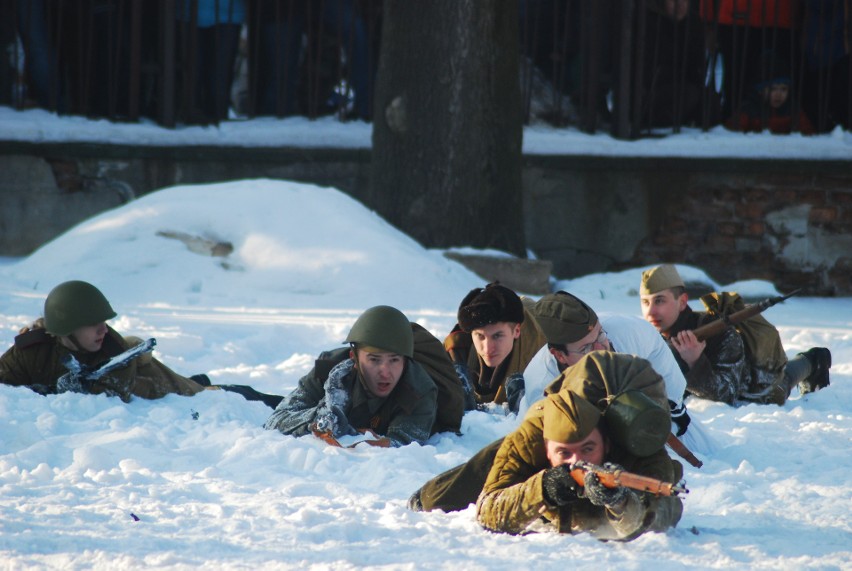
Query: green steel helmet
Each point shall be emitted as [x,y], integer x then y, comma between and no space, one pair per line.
[383,327]
[75,304]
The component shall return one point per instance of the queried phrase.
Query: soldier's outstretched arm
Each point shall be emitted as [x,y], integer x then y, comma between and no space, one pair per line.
[298,410]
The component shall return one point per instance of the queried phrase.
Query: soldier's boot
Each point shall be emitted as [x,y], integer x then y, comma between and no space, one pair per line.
[820,359]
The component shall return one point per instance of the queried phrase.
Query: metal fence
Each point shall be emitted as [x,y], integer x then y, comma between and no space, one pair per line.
[633,68]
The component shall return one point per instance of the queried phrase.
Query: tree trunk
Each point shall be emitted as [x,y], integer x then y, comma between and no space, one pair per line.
[447,127]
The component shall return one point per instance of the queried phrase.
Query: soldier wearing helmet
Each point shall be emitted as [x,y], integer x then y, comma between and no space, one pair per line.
[74,323]
[373,384]
[75,316]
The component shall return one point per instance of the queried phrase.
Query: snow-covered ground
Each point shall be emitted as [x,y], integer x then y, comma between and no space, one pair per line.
[90,482]
[38,126]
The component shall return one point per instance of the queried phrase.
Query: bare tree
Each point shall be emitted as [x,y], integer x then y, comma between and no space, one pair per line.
[447,131]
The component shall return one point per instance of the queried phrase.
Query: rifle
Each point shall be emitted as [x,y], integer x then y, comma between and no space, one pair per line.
[682,451]
[718,326]
[80,378]
[614,478]
[321,431]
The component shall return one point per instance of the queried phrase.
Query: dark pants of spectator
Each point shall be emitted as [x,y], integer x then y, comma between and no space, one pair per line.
[826,100]
[213,72]
[40,53]
[280,51]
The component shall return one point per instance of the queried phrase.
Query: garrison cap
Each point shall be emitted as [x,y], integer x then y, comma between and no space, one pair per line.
[660,278]
[564,318]
[568,417]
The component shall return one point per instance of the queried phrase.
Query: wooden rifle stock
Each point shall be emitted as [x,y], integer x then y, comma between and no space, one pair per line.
[718,326]
[615,478]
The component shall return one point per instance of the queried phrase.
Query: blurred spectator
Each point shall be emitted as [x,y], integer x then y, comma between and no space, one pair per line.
[283,29]
[826,40]
[103,84]
[769,105]
[569,45]
[674,64]
[738,32]
[210,34]
[40,53]
[7,52]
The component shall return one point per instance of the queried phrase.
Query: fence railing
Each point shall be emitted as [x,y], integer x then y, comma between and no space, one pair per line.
[630,67]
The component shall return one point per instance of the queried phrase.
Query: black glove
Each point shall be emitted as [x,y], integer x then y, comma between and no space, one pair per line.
[515,388]
[558,487]
[680,417]
[599,494]
[464,376]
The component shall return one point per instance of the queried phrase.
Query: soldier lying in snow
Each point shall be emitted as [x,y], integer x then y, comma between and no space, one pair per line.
[74,325]
[743,363]
[395,380]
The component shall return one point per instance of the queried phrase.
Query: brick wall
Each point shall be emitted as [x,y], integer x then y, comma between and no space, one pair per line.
[791,226]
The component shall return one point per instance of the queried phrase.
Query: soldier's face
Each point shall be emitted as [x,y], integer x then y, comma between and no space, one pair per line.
[596,340]
[591,449]
[494,342]
[380,371]
[661,309]
[91,337]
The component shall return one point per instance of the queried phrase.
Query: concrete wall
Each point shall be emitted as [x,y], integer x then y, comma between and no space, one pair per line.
[789,222]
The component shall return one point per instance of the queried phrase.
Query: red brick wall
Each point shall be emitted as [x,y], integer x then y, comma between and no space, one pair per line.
[791,225]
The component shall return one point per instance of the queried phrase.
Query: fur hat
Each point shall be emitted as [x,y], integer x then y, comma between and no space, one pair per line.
[660,278]
[492,304]
[568,417]
[564,318]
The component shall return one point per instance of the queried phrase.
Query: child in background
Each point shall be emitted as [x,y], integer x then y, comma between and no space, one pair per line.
[770,107]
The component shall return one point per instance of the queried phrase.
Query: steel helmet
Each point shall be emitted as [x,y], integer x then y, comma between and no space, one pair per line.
[383,327]
[75,304]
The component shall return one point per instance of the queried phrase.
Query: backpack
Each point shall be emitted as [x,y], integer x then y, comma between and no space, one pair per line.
[429,352]
[630,394]
[761,339]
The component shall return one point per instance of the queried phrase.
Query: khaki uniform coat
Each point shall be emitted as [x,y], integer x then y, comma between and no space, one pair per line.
[35,361]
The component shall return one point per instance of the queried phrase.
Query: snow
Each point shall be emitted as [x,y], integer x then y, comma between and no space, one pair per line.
[88,482]
[39,126]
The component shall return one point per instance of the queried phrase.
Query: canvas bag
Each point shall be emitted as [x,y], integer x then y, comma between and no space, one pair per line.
[761,339]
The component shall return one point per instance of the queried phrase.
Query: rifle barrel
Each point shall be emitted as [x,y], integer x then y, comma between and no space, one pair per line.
[718,326]
[616,478]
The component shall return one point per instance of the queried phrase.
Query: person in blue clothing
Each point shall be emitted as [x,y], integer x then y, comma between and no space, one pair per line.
[210,49]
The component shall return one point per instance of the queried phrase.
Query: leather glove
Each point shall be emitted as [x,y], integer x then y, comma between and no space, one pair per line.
[464,376]
[599,494]
[331,413]
[558,487]
[515,388]
[326,422]
[680,417]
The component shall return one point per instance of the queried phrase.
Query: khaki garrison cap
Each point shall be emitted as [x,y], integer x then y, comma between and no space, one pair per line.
[568,417]
[563,318]
[660,278]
